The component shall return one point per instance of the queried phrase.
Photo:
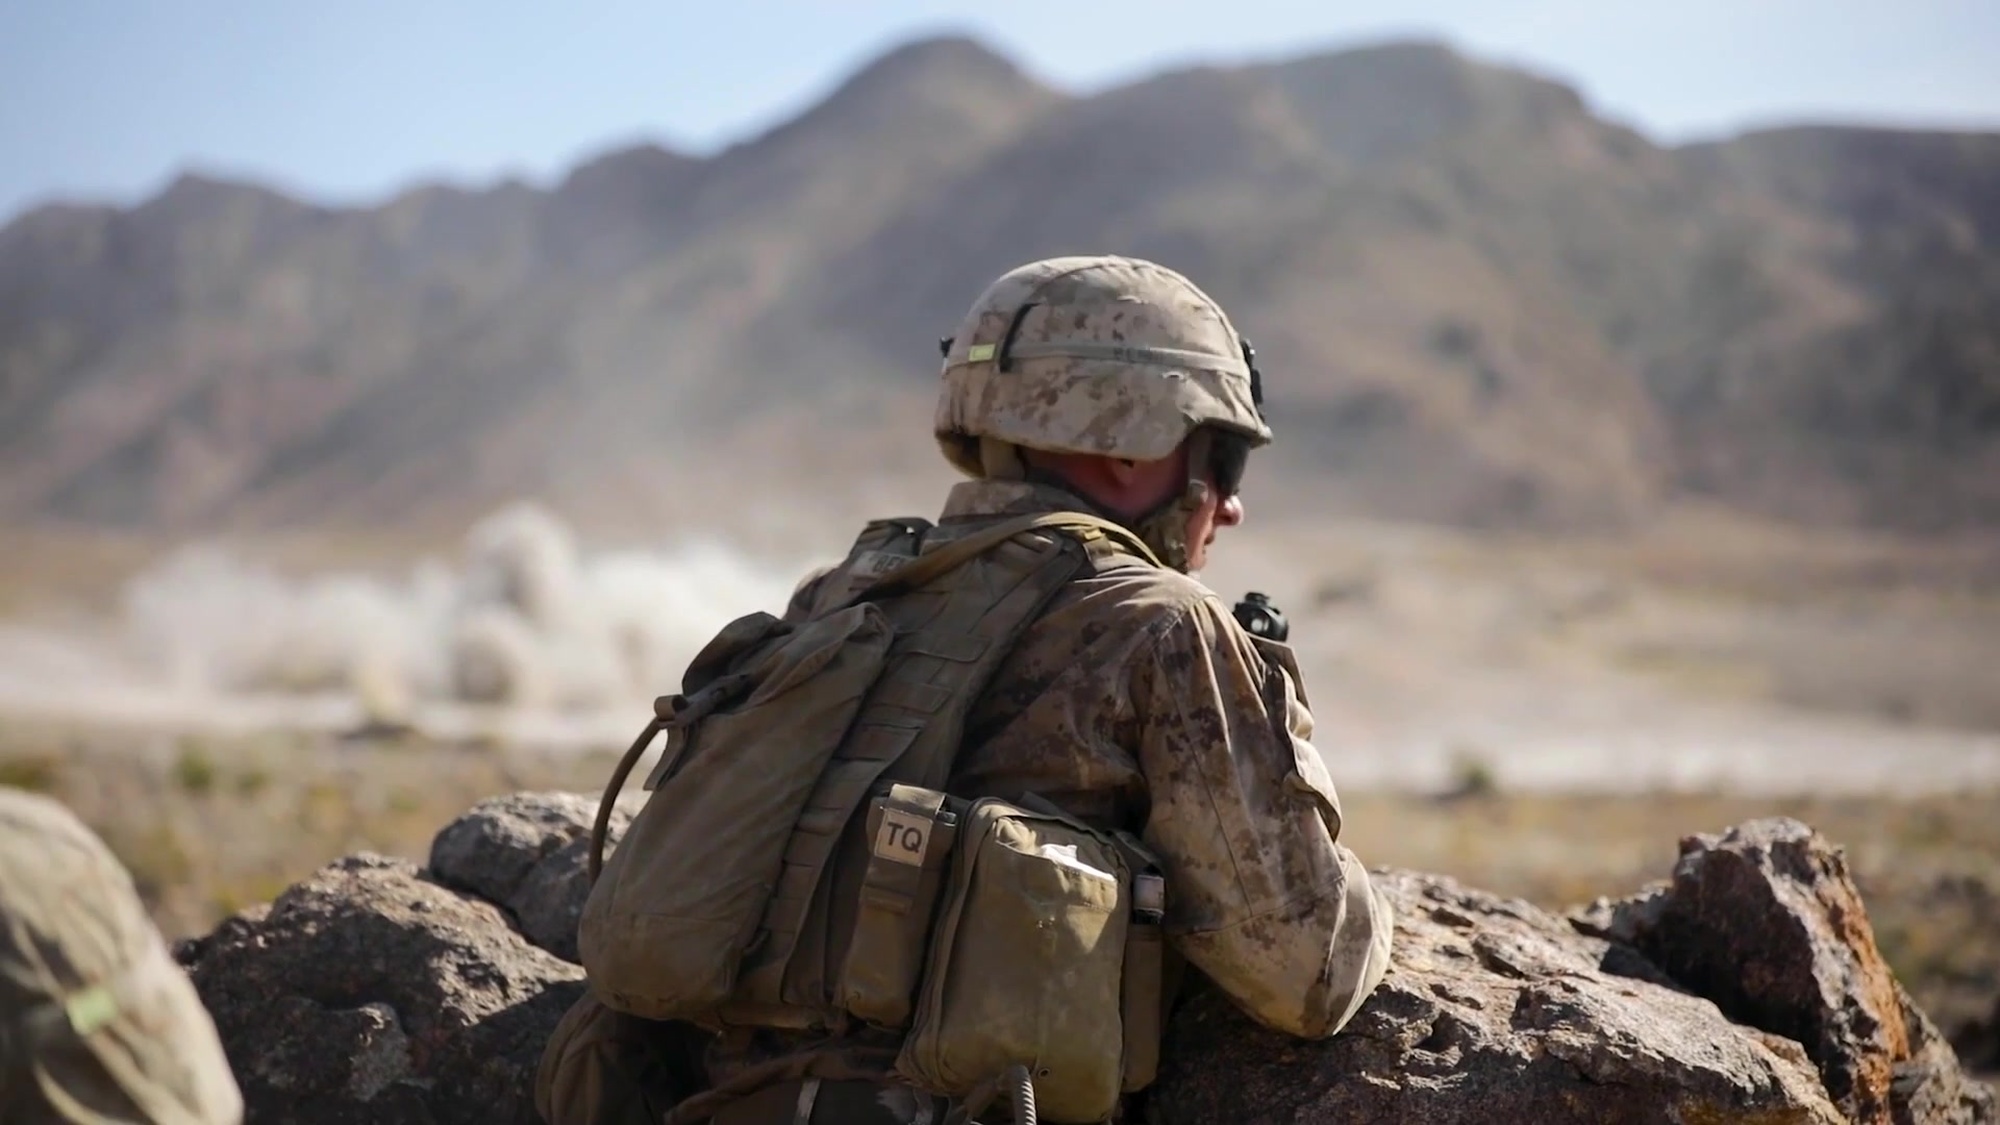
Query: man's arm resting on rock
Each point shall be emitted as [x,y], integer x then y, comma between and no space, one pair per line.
[1261,895]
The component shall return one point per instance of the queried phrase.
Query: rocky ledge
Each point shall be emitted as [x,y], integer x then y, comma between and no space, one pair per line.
[1746,988]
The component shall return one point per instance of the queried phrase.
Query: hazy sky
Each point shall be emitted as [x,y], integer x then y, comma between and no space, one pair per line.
[349,100]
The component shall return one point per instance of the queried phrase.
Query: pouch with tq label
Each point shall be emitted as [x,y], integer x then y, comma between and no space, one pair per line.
[911,833]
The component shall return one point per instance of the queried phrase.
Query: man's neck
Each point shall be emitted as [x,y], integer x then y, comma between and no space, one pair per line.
[978,499]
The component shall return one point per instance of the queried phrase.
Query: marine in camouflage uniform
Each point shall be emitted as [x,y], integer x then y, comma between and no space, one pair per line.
[97,1022]
[1134,700]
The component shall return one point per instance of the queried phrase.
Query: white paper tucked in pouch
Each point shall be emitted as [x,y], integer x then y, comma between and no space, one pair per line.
[1065,854]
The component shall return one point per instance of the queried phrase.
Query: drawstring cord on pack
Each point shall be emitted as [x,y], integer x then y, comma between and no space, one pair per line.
[602,825]
[1020,1086]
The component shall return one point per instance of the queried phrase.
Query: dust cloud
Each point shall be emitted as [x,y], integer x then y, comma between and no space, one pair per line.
[526,635]
[1435,664]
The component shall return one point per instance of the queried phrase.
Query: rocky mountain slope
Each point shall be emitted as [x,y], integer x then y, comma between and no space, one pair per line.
[1477,300]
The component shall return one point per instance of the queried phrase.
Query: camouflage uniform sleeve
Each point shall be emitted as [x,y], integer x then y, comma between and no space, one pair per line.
[1262,897]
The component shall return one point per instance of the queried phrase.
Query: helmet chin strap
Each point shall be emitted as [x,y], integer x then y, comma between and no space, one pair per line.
[1001,460]
[1164,529]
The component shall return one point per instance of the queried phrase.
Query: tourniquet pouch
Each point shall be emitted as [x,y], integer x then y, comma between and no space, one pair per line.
[1026,964]
[910,832]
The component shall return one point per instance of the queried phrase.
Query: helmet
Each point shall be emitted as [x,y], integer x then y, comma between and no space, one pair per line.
[97,1021]
[1106,355]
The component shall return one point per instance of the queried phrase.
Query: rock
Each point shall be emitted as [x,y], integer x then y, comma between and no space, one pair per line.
[549,903]
[1766,921]
[1979,1044]
[1943,918]
[529,853]
[1492,1010]
[1932,1085]
[369,993]
[1744,990]
[492,847]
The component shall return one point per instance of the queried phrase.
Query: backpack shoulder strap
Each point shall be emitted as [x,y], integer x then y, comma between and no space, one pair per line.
[949,556]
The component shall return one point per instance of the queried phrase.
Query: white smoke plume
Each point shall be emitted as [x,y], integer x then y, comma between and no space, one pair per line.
[524,625]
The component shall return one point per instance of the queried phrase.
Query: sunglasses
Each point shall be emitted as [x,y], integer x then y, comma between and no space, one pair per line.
[1228,457]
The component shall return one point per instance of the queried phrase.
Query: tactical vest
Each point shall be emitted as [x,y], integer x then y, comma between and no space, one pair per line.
[800,865]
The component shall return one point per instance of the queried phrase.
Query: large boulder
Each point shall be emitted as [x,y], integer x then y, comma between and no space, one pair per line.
[1748,989]
[370,993]
[529,853]
[1764,919]
[1492,1010]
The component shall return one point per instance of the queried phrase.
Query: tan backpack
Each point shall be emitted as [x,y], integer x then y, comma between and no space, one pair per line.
[799,864]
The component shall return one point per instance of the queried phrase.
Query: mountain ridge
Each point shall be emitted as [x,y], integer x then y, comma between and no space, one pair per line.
[1481,303]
